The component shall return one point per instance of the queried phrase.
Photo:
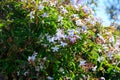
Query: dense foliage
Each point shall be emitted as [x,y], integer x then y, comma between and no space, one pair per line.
[46,40]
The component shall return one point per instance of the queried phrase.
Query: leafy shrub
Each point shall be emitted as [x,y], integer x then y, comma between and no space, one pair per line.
[51,40]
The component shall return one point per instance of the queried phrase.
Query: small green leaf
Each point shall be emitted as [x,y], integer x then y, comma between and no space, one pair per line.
[1,25]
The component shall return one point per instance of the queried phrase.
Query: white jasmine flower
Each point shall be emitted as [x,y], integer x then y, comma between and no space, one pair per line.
[94,68]
[114,63]
[41,67]
[63,10]
[52,39]
[87,9]
[31,58]
[105,47]
[88,19]
[45,15]
[45,58]
[55,49]
[84,28]
[73,39]
[111,39]
[71,32]
[40,7]
[61,7]
[63,44]
[79,22]
[60,18]
[75,16]
[18,73]
[91,20]
[25,73]
[101,37]
[59,30]
[50,78]
[102,78]
[59,34]
[110,55]
[53,3]
[61,69]
[82,63]
[32,15]
[100,59]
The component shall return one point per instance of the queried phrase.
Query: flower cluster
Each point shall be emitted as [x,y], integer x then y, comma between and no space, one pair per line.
[70,42]
[32,58]
[76,33]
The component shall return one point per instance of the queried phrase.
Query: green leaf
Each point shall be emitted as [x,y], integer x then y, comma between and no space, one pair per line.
[115,39]
[1,25]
